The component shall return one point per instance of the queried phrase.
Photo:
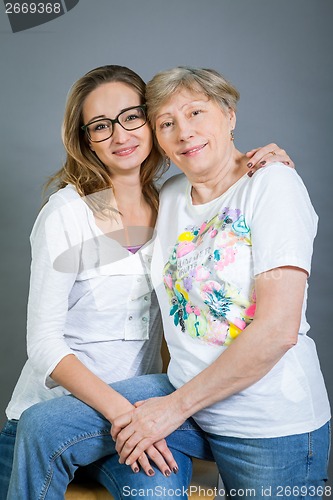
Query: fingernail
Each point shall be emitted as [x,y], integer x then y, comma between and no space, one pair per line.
[175,470]
[263,163]
[167,473]
[249,164]
[136,469]
[250,174]
[286,162]
[151,472]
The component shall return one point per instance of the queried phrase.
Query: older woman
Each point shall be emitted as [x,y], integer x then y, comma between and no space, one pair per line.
[231,277]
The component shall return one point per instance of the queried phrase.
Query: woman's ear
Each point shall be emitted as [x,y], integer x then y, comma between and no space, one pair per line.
[232,118]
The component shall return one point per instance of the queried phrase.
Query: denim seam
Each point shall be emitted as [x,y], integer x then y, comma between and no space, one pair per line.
[310,454]
[189,472]
[310,444]
[329,441]
[5,433]
[60,451]
[46,484]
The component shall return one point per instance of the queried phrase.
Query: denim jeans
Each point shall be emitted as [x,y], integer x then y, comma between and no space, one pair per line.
[286,467]
[117,478]
[7,442]
[57,436]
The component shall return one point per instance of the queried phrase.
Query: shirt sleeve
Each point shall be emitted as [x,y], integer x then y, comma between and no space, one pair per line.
[284,223]
[55,233]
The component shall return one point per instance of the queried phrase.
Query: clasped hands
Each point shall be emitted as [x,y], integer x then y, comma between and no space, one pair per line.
[139,433]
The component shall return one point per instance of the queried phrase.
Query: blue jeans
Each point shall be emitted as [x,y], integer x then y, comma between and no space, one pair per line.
[7,442]
[57,436]
[117,478]
[288,467]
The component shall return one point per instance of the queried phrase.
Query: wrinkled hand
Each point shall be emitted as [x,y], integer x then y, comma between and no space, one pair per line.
[137,430]
[158,452]
[260,157]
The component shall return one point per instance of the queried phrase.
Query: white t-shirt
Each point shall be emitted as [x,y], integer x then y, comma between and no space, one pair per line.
[204,264]
[87,296]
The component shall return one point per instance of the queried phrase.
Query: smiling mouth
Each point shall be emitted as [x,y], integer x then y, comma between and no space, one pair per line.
[194,150]
[125,151]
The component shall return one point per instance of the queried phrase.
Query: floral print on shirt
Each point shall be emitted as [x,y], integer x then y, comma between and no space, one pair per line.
[204,302]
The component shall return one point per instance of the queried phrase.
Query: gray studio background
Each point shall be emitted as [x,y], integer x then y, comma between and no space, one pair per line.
[277,52]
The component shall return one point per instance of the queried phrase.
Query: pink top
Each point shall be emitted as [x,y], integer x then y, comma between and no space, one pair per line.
[134,248]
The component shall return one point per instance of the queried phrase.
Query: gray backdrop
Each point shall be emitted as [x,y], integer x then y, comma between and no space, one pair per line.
[279,55]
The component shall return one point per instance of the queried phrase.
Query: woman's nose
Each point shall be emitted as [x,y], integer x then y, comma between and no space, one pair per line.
[184,130]
[119,133]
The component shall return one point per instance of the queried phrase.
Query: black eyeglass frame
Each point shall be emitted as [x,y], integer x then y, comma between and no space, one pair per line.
[115,120]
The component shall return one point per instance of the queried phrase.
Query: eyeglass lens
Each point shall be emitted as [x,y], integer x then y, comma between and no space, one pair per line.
[129,119]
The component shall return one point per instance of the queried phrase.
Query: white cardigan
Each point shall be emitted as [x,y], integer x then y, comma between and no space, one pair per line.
[87,295]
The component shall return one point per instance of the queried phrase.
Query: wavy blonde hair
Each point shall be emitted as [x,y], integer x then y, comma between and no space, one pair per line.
[82,167]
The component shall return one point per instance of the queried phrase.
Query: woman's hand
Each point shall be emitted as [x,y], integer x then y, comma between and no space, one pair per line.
[151,421]
[158,452]
[82,383]
[260,157]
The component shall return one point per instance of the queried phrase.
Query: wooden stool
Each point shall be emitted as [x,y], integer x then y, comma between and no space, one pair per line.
[205,476]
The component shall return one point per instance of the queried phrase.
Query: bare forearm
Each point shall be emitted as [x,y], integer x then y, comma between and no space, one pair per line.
[86,386]
[249,358]
[259,347]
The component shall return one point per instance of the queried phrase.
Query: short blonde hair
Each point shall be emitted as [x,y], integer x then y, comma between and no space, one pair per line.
[206,81]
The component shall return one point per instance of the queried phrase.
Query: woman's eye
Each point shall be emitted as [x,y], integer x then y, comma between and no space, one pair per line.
[196,112]
[165,124]
[132,117]
[100,126]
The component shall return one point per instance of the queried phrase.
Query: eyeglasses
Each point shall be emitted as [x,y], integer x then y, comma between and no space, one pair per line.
[129,119]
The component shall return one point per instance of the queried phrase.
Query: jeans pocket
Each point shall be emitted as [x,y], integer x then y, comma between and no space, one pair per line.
[9,429]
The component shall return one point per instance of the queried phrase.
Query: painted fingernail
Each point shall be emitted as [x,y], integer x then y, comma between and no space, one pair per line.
[250,174]
[286,162]
[249,164]
[263,163]
[136,469]
[167,473]
[151,472]
[175,470]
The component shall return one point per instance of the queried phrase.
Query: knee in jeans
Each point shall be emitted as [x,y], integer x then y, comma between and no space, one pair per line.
[31,421]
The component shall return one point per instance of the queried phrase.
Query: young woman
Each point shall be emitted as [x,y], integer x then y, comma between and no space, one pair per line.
[93,317]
